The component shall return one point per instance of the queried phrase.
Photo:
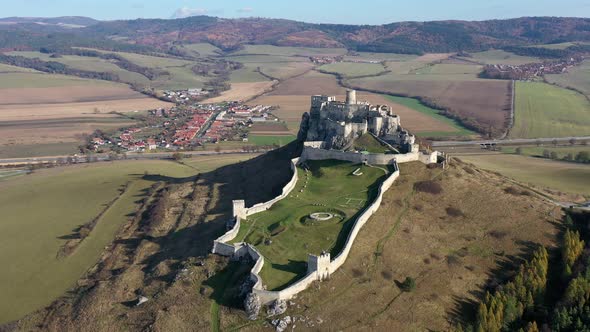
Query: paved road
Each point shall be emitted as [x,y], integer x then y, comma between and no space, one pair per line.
[510,141]
[105,157]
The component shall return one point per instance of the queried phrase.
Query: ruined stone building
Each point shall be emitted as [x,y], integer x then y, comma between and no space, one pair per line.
[338,123]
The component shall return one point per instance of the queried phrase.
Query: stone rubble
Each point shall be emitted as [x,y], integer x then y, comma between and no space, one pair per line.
[277,307]
[252,306]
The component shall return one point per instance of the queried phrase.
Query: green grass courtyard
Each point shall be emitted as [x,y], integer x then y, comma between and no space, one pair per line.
[285,235]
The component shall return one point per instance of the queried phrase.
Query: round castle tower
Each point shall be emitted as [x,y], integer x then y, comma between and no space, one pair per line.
[350,97]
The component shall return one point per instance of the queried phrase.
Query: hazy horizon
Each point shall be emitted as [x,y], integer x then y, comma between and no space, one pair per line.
[330,11]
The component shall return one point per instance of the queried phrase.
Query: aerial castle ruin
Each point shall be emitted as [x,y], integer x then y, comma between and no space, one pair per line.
[337,124]
[328,131]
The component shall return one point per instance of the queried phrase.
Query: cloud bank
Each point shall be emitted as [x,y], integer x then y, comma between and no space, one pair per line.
[188,12]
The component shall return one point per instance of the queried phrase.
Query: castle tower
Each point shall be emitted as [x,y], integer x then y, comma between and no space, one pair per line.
[350,97]
[239,209]
[319,264]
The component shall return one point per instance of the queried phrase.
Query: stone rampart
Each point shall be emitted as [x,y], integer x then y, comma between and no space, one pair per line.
[286,190]
[312,153]
[241,249]
[362,220]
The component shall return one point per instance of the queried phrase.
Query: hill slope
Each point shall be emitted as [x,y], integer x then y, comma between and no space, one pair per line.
[450,242]
[403,37]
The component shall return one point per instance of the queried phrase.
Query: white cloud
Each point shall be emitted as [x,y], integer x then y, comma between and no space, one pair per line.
[188,12]
[245,10]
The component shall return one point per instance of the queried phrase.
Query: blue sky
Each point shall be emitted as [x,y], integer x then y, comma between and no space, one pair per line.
[328,11]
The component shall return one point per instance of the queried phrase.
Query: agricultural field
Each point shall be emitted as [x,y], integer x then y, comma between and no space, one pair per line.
[266,140]
[537,151]
[180,71]
[541,173]
[243,91]
[266,128]
[31,238]
[560,46]
[379,57]
[293,235]
[442,126]
[485,102]
[543,110]
[289,51]
[500,57]
[247,74]
[90,64]
[43,114]
[279,67]
[32,79]
[352,69]
[577,78]
[203,49]
[5,69]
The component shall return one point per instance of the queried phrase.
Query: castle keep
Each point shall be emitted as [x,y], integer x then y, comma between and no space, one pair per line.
[337,124]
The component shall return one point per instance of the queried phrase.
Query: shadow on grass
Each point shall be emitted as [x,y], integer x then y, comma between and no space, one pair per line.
[298,268]
[192,236]
[373,190]
[226,284]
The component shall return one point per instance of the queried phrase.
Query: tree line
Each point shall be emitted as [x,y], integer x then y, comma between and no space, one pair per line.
[550,292]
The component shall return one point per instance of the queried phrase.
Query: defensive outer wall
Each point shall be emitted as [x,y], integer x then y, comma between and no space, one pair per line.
[318,267]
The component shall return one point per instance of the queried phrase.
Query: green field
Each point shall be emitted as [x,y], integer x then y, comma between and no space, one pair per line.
[42,80]
[557,175]
[270,140]
[289,51]
[203,49]
[543,110]
[448,69]
[352,69]
[276,66]
[537,151]
[90,64]
[8,173]
[38,150]
[500,57]
[420,71]
[63,199]
[416,105]
[293,236]
[560,46]
[369,56]
[4,68]
[577,78]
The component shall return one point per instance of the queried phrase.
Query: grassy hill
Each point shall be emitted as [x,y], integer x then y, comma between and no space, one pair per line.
[64,199]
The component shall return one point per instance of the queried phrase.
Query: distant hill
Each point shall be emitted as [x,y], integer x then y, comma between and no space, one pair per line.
[231,34]
[404,37]
[64,21]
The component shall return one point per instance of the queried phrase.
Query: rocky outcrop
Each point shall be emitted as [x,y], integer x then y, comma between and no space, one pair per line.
[277,307]
[252,306]
[282,324]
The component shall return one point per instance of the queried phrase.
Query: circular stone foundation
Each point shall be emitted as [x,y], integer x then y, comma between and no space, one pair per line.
[321,216]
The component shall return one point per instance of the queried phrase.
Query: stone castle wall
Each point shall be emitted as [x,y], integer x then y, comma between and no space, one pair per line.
[241,249]
[313,151]
[362,220]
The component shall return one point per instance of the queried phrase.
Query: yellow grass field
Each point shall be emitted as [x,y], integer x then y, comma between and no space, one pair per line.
[61,114]
[242,91]
[542,173]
